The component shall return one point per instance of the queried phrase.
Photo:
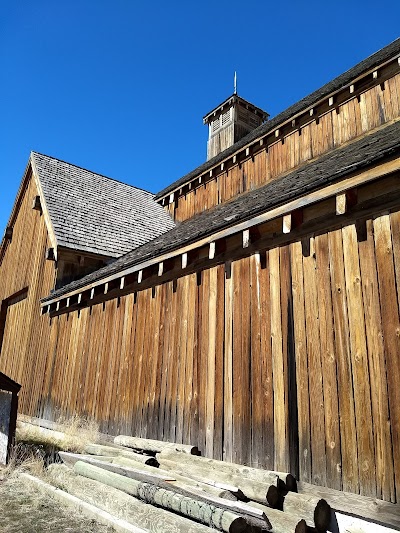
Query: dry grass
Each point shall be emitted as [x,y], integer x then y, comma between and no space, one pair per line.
[73,434]
[24,508]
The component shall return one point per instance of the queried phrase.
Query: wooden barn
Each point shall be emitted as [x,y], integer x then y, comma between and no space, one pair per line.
[251,308]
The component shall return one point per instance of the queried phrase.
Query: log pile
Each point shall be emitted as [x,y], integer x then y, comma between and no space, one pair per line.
[189,493]
[223,496]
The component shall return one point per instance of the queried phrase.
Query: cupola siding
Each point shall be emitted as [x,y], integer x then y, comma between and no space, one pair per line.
[263,329]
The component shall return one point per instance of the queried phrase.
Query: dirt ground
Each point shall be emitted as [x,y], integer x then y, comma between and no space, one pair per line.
[23,509]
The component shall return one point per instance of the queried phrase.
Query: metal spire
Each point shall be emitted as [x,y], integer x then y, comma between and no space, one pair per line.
[235,83]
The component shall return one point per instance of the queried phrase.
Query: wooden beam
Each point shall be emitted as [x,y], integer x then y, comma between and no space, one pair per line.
[50,255]
[341,204]
[68,303]
[8,233]
[122,283]
[92,294]
[211,251]
[330,101]
[160,268]
[287,223]
[246,238]
[36,205]
[184,260]
[79,298]
[140,276]
[171,197]
[351,89]
[106,288]
[345,201]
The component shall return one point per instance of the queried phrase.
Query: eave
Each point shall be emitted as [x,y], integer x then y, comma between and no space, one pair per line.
[282,223]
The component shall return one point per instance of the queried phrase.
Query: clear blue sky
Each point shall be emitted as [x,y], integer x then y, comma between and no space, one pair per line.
[120,87]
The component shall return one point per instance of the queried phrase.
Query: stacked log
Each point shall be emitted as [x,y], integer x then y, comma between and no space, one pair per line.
[209,515]
[118,451]
[146,473]
[203,489]
[283,480]
[253,490]
[122,505]
[154,446]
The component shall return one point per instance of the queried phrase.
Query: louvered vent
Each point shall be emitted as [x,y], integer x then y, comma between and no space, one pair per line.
[226,117]
[242,114]
[215,125]
[254,121]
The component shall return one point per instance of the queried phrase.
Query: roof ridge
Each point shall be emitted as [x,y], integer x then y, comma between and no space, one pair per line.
[383,54]
[34,152]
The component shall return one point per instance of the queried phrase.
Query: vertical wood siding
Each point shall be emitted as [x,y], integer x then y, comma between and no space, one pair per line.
[208,359]
[24,347]
[343,123]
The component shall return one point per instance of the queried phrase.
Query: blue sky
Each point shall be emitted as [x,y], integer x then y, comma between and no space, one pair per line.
[121,87]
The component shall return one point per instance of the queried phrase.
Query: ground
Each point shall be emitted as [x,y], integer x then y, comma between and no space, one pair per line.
[23,509]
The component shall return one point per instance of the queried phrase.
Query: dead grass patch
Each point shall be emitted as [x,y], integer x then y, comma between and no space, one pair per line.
[73,434]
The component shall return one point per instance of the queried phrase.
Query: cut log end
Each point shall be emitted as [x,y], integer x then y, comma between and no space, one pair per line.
[301,527]
[273,497]
[322,515]
[239,525]
[152,461]
[195,451]
[291,483]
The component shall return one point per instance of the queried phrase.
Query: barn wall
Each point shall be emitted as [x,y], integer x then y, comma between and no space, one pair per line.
[284,359]
[25,277]
[336,126]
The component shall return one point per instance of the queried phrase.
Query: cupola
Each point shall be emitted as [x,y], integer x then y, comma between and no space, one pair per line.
[230,121]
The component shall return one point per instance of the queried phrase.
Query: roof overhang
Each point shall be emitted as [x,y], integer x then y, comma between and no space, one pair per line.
[284,215]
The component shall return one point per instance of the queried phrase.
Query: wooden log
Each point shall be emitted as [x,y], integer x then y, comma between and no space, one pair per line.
[122,505]
[69,459]
[254,490]
[167,499]
[149,474]
[282,522]
[316,511]
[97,449]
[221,490]
[183,487]
[77,506]
[154,445]
[286,481]
[370,508]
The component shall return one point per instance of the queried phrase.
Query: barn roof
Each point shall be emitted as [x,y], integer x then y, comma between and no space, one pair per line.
[328,169]
[93,213]
[386,53]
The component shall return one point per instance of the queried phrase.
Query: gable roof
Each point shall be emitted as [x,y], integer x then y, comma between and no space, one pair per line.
[93,213]
[390,51]
[328,169]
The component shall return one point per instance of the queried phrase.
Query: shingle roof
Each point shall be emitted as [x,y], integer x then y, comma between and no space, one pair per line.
[93,213]
[344,79]
[328,169]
